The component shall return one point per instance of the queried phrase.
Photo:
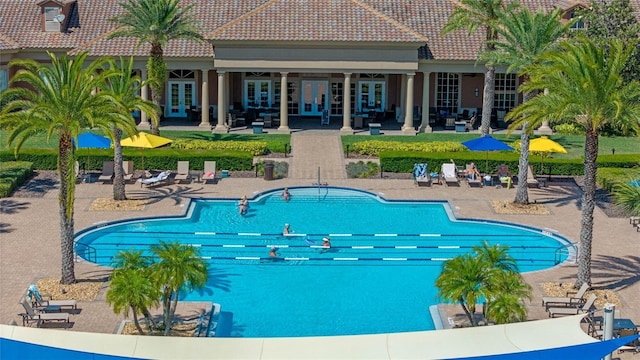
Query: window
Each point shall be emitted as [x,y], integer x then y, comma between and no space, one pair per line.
[182,74]
[579,24]
[447,91]
[506,93]
[51,18]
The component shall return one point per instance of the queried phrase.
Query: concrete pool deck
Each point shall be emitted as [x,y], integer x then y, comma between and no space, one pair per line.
[29,241]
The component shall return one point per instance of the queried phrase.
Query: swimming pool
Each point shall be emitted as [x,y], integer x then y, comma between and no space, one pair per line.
[377,277]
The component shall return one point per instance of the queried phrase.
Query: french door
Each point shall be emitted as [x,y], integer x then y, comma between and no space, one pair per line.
[315,97]
[181,94]
[257,94]
[371,96]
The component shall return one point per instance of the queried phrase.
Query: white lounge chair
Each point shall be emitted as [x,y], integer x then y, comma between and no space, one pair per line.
[473,181]
[558,311]
[574,301]
[209,172]
[163,177]
[46,302]
[449,174]
[183,171]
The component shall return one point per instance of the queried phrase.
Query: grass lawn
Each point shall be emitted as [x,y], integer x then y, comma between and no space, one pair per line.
[573,143]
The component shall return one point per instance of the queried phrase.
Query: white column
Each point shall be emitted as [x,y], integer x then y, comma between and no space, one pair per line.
[284,103]
[425,127]
[220,128]
[144,94]
[408,111]
[403,97]
[227,93]
[204,102]
[346,105]
[545,129]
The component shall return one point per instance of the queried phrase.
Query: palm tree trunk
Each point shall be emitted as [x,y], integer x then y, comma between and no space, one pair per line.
[66,165]
[588,204]
[522,195]
[166,311]
[172,312]
[118,176]
[135,320]
[149,319]
[487,99]
[467,312]
[157,70]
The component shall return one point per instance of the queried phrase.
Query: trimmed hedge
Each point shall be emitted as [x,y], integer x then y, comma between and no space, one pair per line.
[403,161]
[254,147]
[375,147]
[609,177]
[165,158]
[12,175]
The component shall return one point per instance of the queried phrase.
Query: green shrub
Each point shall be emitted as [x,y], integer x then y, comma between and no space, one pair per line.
[254,147]
[375,147]
[609,177]
[13,174]
[568,129]
[362,170]
[280,169]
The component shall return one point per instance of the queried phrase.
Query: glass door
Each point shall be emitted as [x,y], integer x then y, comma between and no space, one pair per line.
[257,94]
[371,96]
[181,95]
[315,97]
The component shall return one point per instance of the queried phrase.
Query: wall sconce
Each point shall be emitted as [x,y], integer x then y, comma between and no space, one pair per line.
[476,92]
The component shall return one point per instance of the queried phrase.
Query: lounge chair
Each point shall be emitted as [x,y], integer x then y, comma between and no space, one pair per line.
[209,171]
[450,123]
[30,315]
[183,171]
[127,167]
[585,308]
[473,179]
[421,175]
[449,171]
[532,182]
[163,177]
[45,301]
[574,301]
[107,172]
[504,175]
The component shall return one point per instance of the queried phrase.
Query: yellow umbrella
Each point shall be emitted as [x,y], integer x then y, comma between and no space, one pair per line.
[545,145]
[145,140]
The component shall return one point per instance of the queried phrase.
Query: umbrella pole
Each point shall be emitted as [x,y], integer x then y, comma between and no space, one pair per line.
[486,165]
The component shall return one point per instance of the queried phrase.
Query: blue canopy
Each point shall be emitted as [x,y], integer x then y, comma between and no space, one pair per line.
[91,140]
[486,143]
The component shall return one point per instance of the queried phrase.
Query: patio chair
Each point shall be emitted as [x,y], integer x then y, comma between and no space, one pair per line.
[450,123]
[421,175]
[127,167]
[585,308]
[30,315]
[209,172]
[45,301]
[504,175]
[532,182]
[448,171]
[183,172]
[471,123]
[574,301]
[161,178]
[107,172]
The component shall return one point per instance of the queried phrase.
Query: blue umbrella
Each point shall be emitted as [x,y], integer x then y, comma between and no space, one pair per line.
[486,143]
[92,141]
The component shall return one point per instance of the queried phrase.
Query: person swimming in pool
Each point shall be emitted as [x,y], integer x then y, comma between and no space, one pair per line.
[286,230]
[326,242]
[286,195]
[272,252]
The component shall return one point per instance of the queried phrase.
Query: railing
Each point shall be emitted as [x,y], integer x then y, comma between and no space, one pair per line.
[565,250]
[91,254]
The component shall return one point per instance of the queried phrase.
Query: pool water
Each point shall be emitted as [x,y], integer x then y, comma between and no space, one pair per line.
[377,277]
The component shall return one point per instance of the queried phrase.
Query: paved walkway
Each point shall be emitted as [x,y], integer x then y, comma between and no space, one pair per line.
[317,155]
[30,245]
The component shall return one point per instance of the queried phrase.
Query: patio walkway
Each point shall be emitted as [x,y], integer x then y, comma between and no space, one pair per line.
[317,155]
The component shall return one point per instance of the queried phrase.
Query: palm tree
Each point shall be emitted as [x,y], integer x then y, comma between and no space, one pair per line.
[496,256]
[472,15]
[156,22]
[523,36]
[179,267]
[465,279]
[585,86]
[627,196]
[506,306]
[60,100]
[133,289]
[123,90]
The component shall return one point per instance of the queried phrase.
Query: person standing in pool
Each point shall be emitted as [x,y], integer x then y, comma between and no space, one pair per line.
[243,205]
[286,195]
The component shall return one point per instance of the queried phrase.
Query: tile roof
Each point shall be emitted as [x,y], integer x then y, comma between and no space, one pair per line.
[409,21]
[317,20]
